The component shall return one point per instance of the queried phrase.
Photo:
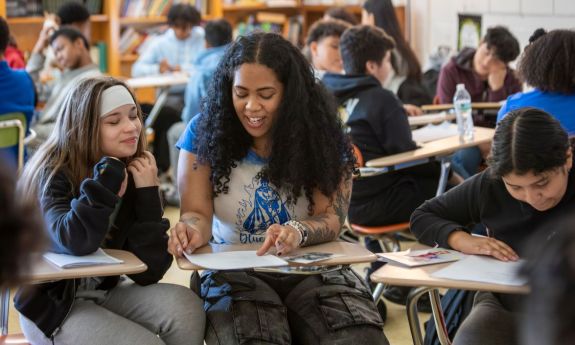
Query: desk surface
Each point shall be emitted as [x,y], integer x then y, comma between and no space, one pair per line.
[352,253]
[435,148]
[422,120]
[158,80]
[44,271]
[421,276]
[474,105]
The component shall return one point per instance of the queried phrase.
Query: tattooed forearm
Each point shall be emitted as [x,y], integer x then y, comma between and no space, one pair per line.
[318,230]
[341,201]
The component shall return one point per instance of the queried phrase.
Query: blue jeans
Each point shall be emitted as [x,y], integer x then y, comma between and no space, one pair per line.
[247,307]
[466,162]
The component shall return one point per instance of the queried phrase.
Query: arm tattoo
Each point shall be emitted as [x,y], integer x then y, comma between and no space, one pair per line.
[341,201]
[318,230]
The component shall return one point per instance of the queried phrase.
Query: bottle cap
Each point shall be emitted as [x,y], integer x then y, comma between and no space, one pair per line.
[460,86]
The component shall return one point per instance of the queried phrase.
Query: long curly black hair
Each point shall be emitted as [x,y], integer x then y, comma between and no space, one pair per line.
[309,149]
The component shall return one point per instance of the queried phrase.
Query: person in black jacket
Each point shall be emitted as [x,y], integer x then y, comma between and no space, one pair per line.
[378,127]
[529,181]
[98,187]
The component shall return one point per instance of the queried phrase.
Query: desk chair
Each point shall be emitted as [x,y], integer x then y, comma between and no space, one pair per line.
[385,234]
[12,132]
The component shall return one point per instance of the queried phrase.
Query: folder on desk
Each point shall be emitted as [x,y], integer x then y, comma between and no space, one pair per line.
[415,258]
[98,257]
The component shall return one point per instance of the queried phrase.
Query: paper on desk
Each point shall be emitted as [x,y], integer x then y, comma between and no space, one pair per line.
[234,260]
[434,132]
[421,120]
[99,257]
[423,257]
[483,269]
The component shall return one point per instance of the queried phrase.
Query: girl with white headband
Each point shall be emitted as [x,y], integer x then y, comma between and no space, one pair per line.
[98,187]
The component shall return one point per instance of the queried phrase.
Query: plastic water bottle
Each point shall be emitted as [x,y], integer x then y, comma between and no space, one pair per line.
[462,105]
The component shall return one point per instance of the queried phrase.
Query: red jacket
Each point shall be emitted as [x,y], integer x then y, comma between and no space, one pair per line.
[459,70]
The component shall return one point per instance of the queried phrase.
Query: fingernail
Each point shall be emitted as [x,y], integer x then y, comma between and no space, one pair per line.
[179,249]
[189,251]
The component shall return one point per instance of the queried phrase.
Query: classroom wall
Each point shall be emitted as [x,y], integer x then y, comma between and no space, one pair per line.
[434,22]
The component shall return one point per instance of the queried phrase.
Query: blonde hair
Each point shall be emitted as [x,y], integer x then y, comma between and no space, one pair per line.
[74,146]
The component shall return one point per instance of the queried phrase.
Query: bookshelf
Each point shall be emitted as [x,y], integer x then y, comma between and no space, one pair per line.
[106,27]
[307,14]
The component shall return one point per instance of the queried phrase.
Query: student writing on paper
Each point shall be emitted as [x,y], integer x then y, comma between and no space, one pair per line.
[267,162]
[98,187]
[528,182]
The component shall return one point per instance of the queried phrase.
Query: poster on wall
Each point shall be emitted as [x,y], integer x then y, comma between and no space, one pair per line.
[469,31]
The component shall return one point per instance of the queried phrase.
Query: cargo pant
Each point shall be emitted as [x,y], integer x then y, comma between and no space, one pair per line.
[247,307]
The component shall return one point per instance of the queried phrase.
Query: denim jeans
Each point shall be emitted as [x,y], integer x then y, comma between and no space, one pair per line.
[466,162]
[247,307]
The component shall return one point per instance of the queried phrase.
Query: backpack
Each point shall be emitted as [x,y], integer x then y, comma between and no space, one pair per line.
[456,305]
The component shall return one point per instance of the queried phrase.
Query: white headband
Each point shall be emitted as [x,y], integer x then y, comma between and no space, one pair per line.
[114,97]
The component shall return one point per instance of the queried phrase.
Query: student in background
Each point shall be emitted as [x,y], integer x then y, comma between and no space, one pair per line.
[72,53]
[378,126]
[176,49]
[14,56]
[529,181]
[218,36]
[485,71]
[322,44]
[20,230]
[42,65]
[340,13]
[98,187]
[267,162]
[16,92]
[548,66]
[404,79]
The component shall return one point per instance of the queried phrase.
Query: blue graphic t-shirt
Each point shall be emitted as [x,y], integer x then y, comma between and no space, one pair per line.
[251,204]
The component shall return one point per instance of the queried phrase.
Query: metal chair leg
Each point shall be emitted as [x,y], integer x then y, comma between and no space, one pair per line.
[4,306]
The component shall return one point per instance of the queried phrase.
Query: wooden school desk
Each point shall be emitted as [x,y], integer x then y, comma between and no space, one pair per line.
[426,119]
[163,83]
[43,271]
[439,150]
[353,253]
[421,277]
[474,105]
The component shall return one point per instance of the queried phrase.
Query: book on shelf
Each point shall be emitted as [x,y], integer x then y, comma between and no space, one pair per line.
[52,6]
[157,8]
[98,53]
[24,8]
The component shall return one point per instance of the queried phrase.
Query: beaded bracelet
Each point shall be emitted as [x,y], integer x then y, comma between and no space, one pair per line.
[300,228]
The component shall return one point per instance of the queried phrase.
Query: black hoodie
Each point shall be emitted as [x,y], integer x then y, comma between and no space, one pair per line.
[378,126]
[80,223]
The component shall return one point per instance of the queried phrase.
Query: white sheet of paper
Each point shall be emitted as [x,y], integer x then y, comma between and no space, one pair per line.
[434,132]
[234,260]
[99,257]
[483,269]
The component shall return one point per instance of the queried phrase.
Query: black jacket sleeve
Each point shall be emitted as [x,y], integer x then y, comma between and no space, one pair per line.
[435,219]
[147,237]
[77,226]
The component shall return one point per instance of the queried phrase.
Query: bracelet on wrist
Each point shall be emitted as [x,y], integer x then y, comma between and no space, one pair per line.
[300,228]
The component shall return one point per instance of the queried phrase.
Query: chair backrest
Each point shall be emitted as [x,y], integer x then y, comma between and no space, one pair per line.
[9,136]
[12,132]
[358,156]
